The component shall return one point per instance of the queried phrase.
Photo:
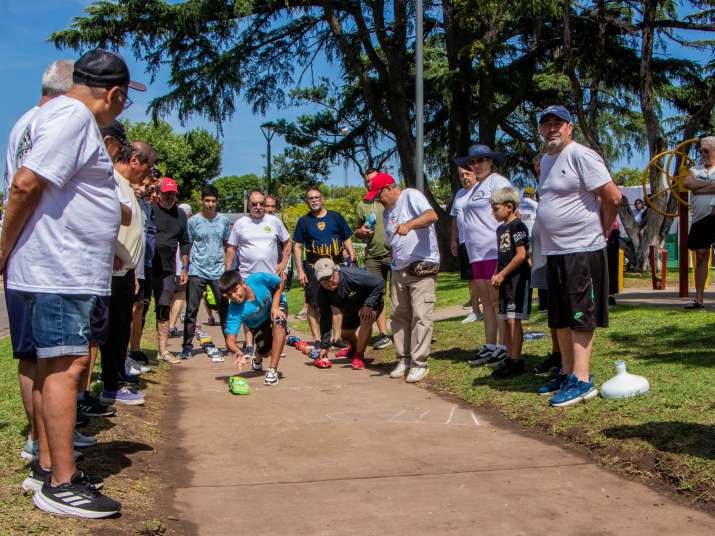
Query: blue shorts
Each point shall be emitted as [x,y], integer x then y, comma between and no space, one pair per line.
[18,312]
[61,323]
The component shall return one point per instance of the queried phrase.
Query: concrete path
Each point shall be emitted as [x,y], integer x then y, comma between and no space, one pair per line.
[339,452]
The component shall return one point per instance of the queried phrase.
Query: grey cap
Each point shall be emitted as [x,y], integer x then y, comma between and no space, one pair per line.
[324,268]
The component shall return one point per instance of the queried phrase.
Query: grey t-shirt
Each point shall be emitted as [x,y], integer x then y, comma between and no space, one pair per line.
[701,205]
[569,208]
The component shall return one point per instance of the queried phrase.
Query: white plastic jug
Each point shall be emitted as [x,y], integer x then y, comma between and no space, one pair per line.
[624,384]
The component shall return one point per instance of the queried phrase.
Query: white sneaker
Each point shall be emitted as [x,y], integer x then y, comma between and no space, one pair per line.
[416,374]
[257,364]
[136,367]
[271,377]
[81,440]
[471,317]
[401,369]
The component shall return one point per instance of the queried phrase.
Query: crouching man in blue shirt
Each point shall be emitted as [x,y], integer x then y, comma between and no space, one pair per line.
[258,302]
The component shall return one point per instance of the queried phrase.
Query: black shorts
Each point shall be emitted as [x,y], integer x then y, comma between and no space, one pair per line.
[578,290]
[351,318]
[99,321]
[313,287]
[263,334]
[465,267]
[162,284]
[702,233]
[515,297]
[380,266]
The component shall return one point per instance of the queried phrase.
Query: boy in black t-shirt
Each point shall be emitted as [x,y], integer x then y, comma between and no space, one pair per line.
[513,278]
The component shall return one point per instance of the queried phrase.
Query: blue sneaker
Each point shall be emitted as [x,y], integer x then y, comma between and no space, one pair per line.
[185,353]
[125,396]
[573,392]
[553,385]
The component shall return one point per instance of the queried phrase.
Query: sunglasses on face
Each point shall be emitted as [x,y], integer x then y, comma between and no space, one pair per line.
[258,204]
[315,198]
[704,152]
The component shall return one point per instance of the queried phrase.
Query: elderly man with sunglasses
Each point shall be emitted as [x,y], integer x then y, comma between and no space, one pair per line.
[256,238]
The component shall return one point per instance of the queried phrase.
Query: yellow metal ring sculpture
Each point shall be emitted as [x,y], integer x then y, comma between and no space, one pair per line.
[673,176]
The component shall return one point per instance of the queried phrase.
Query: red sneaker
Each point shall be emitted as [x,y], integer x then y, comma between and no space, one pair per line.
[323,363]
[345,352]
[358,363]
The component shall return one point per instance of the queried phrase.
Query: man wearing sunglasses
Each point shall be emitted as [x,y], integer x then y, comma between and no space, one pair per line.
[257,238]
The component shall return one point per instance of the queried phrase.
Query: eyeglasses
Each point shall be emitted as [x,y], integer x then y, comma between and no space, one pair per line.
[704,151]
[127,101]
[258,203]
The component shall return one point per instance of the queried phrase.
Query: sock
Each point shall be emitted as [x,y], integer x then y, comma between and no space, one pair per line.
[491,346]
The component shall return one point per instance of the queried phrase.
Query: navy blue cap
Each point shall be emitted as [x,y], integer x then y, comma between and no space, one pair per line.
[475,151]
[559,111]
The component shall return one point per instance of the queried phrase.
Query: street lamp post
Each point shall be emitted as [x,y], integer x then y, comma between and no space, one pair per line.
[419,98]
[268,130]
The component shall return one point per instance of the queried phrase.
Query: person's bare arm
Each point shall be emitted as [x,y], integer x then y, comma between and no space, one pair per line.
[697,186]
[24,196]
[229,256]
[422,221]
[348,245]
[126,215]
[610,197]
[285,257]
[298,257]
[519,258]
[454,246]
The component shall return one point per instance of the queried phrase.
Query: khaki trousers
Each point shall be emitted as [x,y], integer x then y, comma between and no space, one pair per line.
[413,300]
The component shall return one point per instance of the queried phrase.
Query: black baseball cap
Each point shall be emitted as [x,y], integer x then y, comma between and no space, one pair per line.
[116,131]
[101,68]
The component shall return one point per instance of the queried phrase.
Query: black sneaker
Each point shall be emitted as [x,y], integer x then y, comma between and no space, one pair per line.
[139,357]
[496,360]
[173,333]
[93,407]
[382,342]
[509,369]
[552,361]
[338,344]
[77,498]
[82,419]
[38,476]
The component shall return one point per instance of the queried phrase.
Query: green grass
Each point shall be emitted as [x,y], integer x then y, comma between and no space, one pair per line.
[668,433]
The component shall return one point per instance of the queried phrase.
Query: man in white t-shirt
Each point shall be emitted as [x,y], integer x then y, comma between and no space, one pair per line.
[701,183]
[56,80]
[409,232]
[578,202]
[257,237]
[528,207]
[57,247]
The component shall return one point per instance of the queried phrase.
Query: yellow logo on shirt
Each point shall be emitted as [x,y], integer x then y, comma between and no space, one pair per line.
[321,225]
[267,229]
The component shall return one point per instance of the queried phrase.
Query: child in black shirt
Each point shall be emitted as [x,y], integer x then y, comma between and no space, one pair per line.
[513,277]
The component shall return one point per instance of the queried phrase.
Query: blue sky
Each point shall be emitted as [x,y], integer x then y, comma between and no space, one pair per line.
[24,27]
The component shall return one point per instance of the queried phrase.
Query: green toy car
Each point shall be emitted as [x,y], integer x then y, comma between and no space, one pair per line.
[239,386]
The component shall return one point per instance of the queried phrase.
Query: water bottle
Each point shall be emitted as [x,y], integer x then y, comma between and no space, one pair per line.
[533,335]
[624,384]
[371,221]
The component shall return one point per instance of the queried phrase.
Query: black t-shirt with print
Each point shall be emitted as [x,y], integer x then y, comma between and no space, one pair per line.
[509,236]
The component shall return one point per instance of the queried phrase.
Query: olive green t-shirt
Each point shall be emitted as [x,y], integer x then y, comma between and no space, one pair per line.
[376,246]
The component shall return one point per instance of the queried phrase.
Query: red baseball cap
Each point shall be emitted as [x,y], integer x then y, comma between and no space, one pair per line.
[168,185]
[377,183]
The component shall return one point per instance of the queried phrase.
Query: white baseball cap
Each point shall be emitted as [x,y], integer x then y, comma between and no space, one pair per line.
[324,268]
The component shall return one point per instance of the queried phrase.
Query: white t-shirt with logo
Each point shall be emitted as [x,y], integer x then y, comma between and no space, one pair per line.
[701,205]
[67,244]
[569,208]
[256,241]
[527,212]
[418,244]
[18,146]
[475,220]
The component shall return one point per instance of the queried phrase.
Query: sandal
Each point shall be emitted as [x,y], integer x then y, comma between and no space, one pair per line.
[323,363]
[694,305]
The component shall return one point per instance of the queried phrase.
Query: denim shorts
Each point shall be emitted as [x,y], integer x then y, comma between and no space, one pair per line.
[18,312]
[61,323]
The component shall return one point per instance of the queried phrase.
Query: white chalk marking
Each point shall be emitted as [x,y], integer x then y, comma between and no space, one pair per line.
[474,418]
[451,414]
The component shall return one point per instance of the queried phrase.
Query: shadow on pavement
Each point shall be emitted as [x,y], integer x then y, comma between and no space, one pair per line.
[693,439]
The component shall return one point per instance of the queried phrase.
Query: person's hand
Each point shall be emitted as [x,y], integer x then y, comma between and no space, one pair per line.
[277,314]
[454,248]
[302,279]
[497,280]
[364,231]
[403,229]
[281,267]
[366,314]
[323,354]
[117,264]
[240,359]
[184,276]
